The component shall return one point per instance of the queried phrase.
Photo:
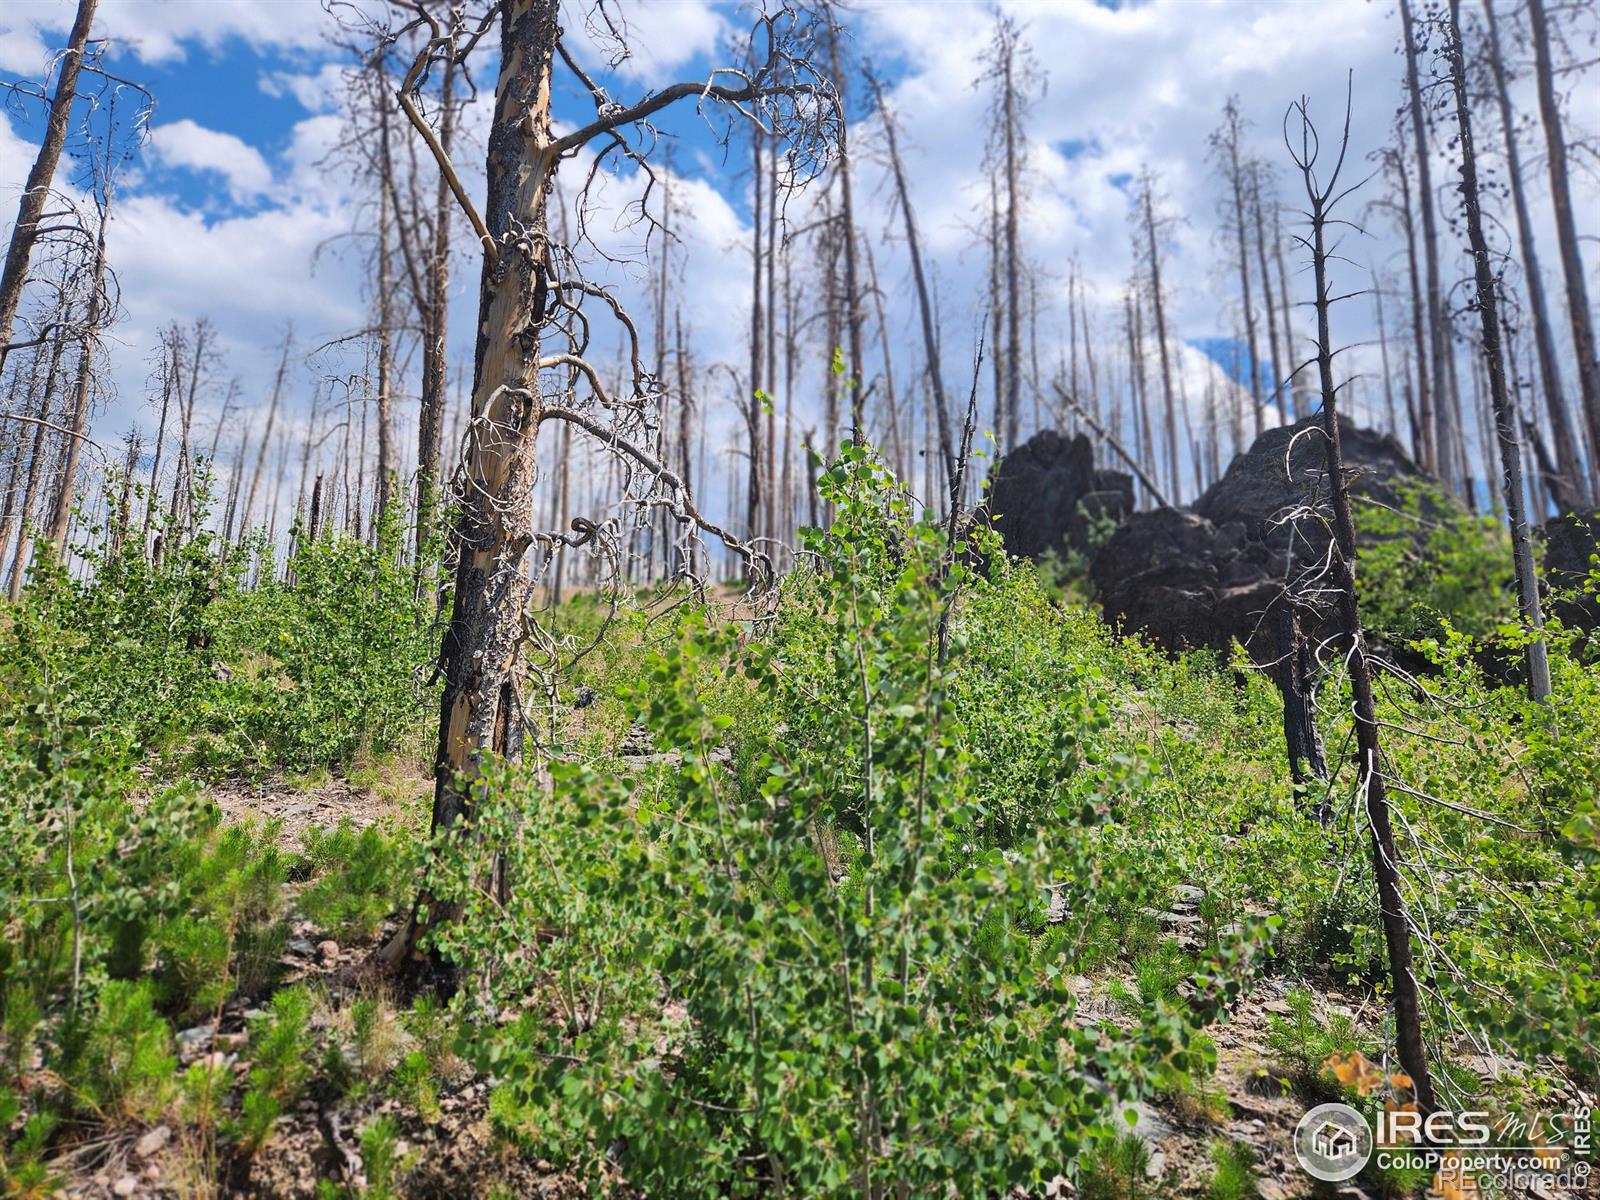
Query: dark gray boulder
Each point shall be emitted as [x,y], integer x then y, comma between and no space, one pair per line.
[1045,495]
[1218,572]
[1570,542]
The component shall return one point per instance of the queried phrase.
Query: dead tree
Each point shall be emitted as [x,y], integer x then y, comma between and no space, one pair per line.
[1584,348]
[1423,446]
[930,336]
[1011,69]
[1505,419]
[1297,682]
[168,372]
[414,242]
[1569,483]
[41,176]
[384,304]
[266,436]
[853,318]
[755,397]
[1279,366]
[1443,431]
[530,361]
[1226,148]
[1322,198]
[78,422]
[1147,206]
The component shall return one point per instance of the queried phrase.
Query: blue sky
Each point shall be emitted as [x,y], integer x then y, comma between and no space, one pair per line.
[228,211]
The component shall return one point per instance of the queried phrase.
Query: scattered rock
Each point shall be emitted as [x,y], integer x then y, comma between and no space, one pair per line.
[1186,895]
[637,743]
[328,950]
[125,1186]
[192,1041]
[152,1141]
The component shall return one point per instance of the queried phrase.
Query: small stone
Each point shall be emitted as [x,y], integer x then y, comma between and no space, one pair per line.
[125,1186]
[152,1171]
[152,1141]
[302,946]
[328,950]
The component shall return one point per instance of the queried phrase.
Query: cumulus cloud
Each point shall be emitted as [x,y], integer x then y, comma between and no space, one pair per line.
[1128,87]
[192,146]
[162,32]
[647,42]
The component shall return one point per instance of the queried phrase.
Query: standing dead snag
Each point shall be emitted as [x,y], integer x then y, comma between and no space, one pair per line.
[1571,484]
[1147,206]
[1323,198]
[1296,682]
[532,338]
[930,337]
[1505,419]
[1225,145]
[42,174]
[1584,346]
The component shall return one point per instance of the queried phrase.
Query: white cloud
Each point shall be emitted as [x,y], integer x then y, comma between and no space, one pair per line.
[316,91]
[158,31]
[659,36]
[1127,88]
[190,145]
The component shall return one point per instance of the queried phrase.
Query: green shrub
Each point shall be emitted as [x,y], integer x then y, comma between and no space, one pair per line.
[119,1060]
[841,1021]
[1116,1169]
[1233,1174]
[359,879]
[281,1055]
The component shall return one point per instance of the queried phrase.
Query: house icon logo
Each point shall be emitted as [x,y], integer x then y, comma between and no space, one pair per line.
[1333,1142]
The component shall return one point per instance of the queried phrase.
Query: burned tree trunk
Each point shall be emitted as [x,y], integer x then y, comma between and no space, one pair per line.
[1433,368]
[930,338]
[1342,565]
[42,174]
[1583,339]
[266,436]
[1157,302]
[78,426]
[1569,483]
[1505,420]
[1296,680]
[852,277]
[1227,140]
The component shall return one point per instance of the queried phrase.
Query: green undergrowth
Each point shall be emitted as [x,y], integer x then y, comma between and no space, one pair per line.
[833,942]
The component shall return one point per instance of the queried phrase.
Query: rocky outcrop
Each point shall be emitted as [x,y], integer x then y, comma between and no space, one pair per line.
[1045,495]
[1205,576]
